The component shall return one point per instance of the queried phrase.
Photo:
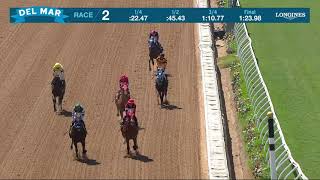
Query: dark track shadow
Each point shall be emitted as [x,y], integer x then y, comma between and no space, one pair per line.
[141,158]
[66,113]
[86,160]
[170,106]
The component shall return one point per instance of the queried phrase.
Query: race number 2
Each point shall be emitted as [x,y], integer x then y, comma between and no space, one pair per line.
[105,14]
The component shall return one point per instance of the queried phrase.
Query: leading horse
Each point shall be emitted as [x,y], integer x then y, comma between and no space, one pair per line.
[155,50]
[58,89]
[129,130]
[121,99]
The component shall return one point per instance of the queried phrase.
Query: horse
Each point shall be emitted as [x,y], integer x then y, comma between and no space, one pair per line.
[121,99]
[162,88]
[58,90]
[78,134]
[154,51]
[129,131]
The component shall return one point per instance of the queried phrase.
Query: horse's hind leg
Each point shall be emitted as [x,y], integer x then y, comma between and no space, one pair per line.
[76,147]
[54,103]
[60,102]
[161,98]
[165,95]
[158,96]
[84,151]
[118,110]
[128,146]
[149,64]
[135,146]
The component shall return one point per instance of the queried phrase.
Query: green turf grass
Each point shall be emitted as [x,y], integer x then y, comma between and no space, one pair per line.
[289,59]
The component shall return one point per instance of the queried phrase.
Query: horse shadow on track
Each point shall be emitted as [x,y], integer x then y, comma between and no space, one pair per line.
[66,113]
[86,160]
[169,106]
[142,158]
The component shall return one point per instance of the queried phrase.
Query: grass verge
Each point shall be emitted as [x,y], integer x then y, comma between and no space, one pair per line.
[250,134]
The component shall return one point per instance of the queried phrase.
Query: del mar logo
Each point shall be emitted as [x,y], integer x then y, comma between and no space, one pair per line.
[32,14]
[290,15]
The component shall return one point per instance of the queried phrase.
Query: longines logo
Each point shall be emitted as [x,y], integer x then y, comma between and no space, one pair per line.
[290,16]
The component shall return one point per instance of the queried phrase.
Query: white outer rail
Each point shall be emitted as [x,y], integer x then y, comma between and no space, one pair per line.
[245,50]
[217,157]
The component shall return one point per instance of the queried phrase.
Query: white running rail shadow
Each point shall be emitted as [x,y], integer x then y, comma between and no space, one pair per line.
[217,157]
[286,166]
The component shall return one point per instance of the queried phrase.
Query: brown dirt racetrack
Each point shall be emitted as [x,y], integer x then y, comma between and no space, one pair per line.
[33,142]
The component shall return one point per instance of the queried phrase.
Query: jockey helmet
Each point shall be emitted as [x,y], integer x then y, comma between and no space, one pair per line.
[130,101]
[124,76]
[78,108]
[57,66]
[154,33]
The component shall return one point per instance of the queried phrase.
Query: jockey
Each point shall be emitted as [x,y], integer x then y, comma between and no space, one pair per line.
[161,62]
[59,72]
[154,34]
[160,71]
[130,106]
[78,117]
[123,81]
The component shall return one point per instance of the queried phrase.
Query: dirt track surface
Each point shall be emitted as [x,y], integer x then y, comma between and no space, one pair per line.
[33,139]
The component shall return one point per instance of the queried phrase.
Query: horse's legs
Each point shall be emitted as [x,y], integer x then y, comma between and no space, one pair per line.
[149,64]
[128,147]
[76,147]
[83,146]
[161,97]
[158,96]
[122,113]
[118,110]
[165,94]
[54,103]
[135,146]
[60,102]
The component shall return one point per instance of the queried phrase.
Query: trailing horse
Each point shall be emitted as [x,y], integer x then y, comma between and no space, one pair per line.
[162,86]
[78,134]
[155,50]
[129,130]
[58,89]
[121,99]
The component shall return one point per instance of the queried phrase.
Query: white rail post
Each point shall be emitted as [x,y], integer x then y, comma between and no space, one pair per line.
[273,170]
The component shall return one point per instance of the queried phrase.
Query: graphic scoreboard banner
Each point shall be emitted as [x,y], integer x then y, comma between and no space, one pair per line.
[158,15]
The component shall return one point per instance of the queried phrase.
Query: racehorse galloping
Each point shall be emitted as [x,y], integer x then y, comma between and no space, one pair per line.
[121,99]
[129,131]
[155,50]
[162,85]
[77,135]
[58,90]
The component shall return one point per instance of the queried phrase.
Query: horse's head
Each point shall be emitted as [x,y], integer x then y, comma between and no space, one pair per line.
[125,89]
[130,113]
